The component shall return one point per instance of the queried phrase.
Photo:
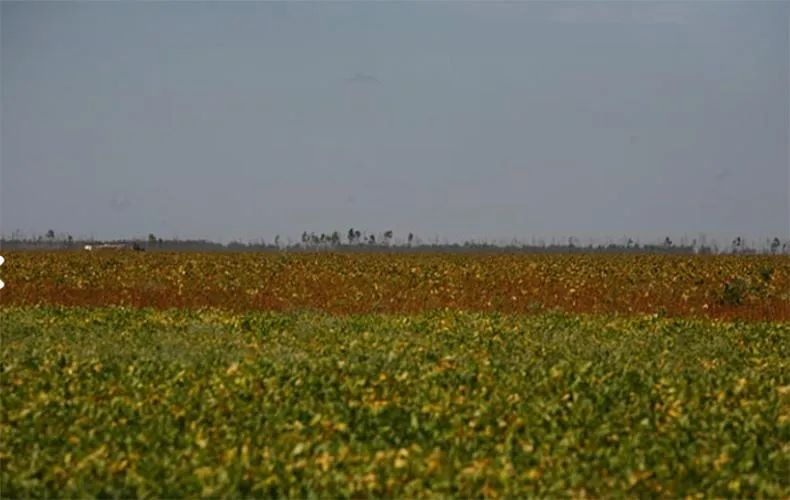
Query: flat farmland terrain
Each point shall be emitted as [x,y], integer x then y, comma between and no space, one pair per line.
[746,287]
[127,403]
[161,375]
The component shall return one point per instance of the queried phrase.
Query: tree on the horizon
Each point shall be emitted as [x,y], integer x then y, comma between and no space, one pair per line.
[737,243]
[775,244]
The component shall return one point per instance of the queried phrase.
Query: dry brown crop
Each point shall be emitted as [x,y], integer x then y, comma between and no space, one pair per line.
[747,287]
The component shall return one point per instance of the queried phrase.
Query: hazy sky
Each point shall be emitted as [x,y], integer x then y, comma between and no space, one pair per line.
[227,120]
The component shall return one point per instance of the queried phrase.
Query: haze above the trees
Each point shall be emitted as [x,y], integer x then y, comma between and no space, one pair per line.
[466,120]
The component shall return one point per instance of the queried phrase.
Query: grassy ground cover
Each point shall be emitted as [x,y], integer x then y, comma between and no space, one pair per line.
[166,403]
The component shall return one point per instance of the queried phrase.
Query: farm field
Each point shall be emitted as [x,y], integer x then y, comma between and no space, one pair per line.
[127,402]
[400,376]
[745,287]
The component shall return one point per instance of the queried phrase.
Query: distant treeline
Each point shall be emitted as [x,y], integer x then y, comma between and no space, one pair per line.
[358,241]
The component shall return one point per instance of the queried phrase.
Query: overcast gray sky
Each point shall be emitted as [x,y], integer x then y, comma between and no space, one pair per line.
[227,120]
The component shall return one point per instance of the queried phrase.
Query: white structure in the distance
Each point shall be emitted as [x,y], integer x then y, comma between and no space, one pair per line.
[122,246]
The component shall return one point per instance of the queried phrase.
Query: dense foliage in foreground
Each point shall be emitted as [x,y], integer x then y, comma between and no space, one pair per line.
[127,402]
[746,287]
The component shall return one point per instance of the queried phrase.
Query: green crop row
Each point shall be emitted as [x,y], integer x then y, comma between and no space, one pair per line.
[149,403]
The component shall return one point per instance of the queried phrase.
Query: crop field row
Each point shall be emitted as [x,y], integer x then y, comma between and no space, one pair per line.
[127,402]
[747,287]
[371,375]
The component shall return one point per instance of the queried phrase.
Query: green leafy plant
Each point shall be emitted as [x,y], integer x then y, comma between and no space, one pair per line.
[766,273]
[735,292]
[123,402]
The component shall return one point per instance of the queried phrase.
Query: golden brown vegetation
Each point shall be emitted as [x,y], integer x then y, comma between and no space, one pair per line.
[747,287]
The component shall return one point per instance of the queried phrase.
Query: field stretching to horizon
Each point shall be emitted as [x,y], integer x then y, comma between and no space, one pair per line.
[723,286]
[316,375]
